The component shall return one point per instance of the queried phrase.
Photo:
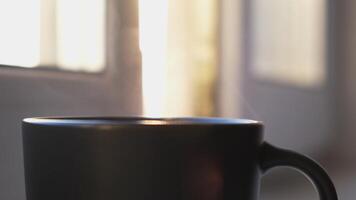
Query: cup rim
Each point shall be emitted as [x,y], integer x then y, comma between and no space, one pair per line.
[137,120]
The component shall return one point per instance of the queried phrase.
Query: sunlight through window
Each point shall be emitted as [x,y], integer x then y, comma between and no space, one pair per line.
[179,56]
[62,34]
[20,32]
[153,43]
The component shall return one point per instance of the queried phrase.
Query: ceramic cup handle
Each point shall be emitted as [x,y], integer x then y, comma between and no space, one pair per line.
[273,157]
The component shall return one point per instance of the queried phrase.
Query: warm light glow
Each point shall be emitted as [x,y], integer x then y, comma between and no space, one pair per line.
[153,17]
[80,34]
[19,35]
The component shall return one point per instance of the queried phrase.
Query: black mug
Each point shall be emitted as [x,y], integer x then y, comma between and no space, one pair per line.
[154,159]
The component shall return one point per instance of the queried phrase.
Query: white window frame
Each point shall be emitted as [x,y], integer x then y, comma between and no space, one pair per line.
[47,92]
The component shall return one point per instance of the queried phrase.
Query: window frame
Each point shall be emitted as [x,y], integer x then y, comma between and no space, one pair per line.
[122,57]
[46,92]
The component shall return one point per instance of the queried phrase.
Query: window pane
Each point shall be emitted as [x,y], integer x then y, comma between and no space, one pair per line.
[288,41]
[19,35]
[64,34]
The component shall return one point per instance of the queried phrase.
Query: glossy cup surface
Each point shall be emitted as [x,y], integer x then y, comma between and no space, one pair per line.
[141,158]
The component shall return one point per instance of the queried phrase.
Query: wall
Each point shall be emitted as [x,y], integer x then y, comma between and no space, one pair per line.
[345,27]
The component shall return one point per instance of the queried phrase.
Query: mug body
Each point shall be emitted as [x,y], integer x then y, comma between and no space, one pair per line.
[141,158]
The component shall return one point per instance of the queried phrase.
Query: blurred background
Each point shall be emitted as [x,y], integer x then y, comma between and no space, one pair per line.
[289,64]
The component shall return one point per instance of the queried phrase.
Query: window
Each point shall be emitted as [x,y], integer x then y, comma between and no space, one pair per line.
[178,40]
[288,41]
[30,92]
[63,34]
